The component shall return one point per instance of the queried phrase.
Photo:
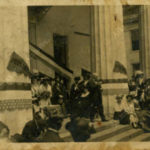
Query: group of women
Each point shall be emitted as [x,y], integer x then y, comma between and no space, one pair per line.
[134,108]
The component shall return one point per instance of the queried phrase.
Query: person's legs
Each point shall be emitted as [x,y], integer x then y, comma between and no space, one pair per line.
[101,112]
[92,113]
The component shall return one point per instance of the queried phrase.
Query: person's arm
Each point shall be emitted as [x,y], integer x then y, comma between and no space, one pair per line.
[50,90]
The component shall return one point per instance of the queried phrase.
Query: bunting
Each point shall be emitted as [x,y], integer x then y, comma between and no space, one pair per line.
[18,65]
[119,68]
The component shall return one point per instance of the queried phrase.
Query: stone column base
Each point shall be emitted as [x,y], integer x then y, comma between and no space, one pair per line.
[110,90]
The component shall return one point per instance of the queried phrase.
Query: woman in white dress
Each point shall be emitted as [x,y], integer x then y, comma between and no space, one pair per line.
[118,107]
[129,108]
[45,93]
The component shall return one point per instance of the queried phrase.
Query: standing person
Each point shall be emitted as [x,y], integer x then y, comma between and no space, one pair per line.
[65,96]
[35,85]
[100,102]
[140,84]
[35,90]
[83,103]
[45,92]
[94,86]
[56,91]
[147,94]
[75,93]
[58,95]
[93,97]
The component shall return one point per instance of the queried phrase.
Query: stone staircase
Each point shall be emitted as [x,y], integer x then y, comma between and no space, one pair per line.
[110,131]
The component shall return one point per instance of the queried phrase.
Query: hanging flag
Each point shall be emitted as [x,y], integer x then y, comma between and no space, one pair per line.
[118,67]
[18,65]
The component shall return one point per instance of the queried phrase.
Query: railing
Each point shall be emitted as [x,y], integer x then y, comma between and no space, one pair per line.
[51,61]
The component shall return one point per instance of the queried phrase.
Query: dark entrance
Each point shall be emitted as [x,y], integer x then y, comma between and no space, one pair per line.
[60,49]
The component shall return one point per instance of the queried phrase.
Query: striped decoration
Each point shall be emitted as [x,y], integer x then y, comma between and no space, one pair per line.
[14,104]
[14,86]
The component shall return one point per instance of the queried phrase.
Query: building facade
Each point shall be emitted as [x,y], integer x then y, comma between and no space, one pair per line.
[94,38]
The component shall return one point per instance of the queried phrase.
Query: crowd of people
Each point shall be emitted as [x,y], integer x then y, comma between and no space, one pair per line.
[134,107]
[52,102]
[81,103]
[84,99]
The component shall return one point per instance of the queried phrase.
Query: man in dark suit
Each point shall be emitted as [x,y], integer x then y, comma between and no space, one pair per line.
[57,92]
[75,93]
[84,105]
[94,86]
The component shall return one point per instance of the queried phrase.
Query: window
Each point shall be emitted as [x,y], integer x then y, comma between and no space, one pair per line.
[60,49]
[135,67]
[135,39]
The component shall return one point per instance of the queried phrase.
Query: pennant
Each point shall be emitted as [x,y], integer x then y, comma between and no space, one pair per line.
[118,67]
[18,65]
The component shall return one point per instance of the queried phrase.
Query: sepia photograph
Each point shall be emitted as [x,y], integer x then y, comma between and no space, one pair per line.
[75,73]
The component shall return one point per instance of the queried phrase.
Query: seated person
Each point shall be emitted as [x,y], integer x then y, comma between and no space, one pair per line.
[40,130]
[80,129]
[145,120]
[129,115]
[135,101]
[118,108]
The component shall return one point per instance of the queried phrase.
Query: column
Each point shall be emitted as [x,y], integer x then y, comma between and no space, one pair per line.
[15,93]
[144,27]
[108,46]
